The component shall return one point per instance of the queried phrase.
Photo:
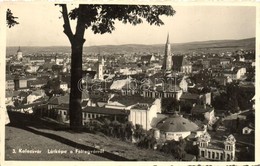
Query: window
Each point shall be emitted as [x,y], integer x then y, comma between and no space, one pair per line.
[202,153]
[221,156]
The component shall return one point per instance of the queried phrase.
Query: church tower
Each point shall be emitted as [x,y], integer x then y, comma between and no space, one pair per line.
[19,55]
[167,62]
[100,68]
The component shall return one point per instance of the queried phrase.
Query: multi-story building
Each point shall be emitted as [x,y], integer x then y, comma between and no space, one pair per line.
[214,151]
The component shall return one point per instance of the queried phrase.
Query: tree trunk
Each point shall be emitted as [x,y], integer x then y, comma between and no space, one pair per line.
[76,73]
[75,109]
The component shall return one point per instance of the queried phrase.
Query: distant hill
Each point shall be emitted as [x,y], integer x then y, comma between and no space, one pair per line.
[200,46]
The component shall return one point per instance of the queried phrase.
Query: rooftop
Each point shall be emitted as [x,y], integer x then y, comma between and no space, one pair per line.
[131,100]
[201,109]
[103,110]
[190,96]
[176,123]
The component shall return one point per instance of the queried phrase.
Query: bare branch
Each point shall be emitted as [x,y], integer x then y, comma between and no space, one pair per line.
[66,26]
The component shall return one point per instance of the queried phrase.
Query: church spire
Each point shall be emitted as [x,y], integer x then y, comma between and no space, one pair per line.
[168,39]
[19,49]
[167,63]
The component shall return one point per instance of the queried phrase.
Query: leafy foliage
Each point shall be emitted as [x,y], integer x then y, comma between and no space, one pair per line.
[176,148]
[233,99]
[101,18]
[10,19]
[170,104]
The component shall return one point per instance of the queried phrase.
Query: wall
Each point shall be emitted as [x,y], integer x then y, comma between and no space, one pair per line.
[176,135]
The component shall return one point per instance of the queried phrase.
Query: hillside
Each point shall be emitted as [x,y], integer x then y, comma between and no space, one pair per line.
[26,132]
[201,46]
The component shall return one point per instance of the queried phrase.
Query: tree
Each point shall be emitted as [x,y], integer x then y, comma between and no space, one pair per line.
[10,19]
[179,149]
[53,88]
[100,19]
[170,104]
[186,107]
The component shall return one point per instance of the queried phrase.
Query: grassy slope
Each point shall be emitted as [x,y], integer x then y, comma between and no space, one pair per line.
[27,132]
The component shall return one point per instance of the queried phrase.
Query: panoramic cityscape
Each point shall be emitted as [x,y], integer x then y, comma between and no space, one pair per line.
[158,100]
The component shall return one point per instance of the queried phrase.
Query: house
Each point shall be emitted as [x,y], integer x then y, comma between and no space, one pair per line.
[34,96]
[37,60]
[90,113]
[120,83]
[241,58]
[205,64]
[130,88]
[57,100]
[177,80]
[224,62]
[190,97]
[147,59]
[222,80]
[32,68]
[181,64]
[30,108]
[120,115]
[164,91]
[20,83]
[19,95]
[235,73]
[8,97]
[143,113]
[126,102]
[9,82]
[59,61]
[204,112]
[195,98]
[64,86]
[217,151]
[246,130]
[36,83]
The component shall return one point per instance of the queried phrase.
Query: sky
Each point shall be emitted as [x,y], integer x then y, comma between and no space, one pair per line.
[41,25]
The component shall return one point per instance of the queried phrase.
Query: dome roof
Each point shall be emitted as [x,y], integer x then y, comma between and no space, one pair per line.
[176,123]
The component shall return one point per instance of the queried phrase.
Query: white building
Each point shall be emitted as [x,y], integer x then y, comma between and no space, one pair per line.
[247,130]
[34,96]
[211,150]
[64,86]
[143,114]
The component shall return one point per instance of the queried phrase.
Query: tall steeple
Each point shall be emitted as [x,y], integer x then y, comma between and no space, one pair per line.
[19,49]
[167,62]
[19,55]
